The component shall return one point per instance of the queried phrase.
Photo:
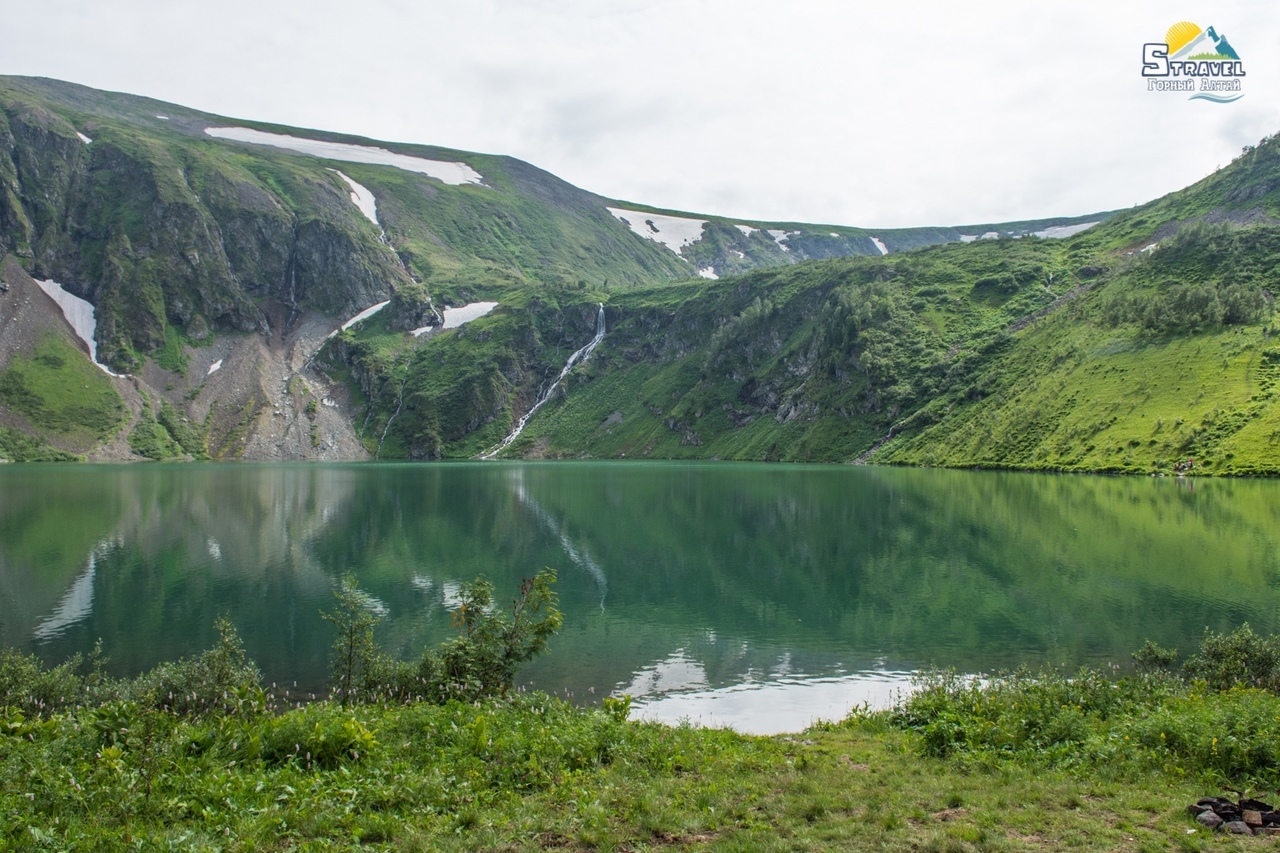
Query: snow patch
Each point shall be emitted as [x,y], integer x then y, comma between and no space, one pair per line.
[884,250]
[739,254]
[213,368]
[361,197]
[780,237]
[990,235]
[1060,231]
[163,118]
[1150,247]
[746,229]
[968,238]
[364,315]
[79,314]
[455,317]
[86,140]
[709,272]
[453,173]
[674,232]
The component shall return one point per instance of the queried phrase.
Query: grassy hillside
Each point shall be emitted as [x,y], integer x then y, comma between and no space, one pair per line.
[1142,345]
[59,393]
[159,224]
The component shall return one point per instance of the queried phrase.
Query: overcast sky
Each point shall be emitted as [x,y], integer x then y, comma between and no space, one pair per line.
[835,111]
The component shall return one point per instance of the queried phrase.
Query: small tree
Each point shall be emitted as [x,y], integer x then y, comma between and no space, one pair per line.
[493,644]
[221,680]
[354,652]
[479,663]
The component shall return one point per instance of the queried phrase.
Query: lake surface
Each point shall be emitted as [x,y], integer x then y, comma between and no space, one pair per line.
[758,596]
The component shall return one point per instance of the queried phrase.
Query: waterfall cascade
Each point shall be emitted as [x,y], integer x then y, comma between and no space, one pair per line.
[579,356]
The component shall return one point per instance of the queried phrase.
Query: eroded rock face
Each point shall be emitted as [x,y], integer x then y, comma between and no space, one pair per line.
[412,308]
[156,238]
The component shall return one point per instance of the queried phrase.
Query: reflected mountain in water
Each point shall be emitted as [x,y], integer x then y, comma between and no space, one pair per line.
[729,581]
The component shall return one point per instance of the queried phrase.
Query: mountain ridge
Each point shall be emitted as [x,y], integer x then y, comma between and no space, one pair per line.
[221,273]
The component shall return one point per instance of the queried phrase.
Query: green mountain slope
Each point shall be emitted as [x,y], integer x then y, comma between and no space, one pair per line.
[221,270]
[159,224]
[196,250]
[1142,345]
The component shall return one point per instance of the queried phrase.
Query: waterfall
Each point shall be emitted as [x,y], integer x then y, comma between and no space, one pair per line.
[579,356]
[399,405]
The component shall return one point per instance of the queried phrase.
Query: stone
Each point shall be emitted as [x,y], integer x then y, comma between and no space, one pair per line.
[1198,809]
[1209,819]
[1251,817]
[1237,827]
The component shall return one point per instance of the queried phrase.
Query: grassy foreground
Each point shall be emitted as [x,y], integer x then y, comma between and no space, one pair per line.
[537,774]
[1023,763]
[441,754]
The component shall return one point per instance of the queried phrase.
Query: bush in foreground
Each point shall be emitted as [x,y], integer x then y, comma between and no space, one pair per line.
[1215,721]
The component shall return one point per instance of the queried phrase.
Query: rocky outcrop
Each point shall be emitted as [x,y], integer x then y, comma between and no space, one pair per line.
[157,238]
[1236,817]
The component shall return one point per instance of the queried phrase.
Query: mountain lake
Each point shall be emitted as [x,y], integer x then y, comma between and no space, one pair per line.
[761,597]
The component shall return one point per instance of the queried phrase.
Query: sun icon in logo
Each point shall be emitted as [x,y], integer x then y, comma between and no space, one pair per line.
[1188,41]
[1180,35]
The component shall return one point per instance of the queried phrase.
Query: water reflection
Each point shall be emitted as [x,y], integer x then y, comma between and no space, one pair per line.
[697,588]
[578,555]
[787,704]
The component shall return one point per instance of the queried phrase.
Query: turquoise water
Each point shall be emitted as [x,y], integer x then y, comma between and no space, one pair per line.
[760,596]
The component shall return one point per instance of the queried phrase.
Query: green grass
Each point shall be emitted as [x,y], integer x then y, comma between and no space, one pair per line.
[1012,354]
[17,446]
[534,773]
[168,435]
[196,754]
[56,388]
[173,354]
